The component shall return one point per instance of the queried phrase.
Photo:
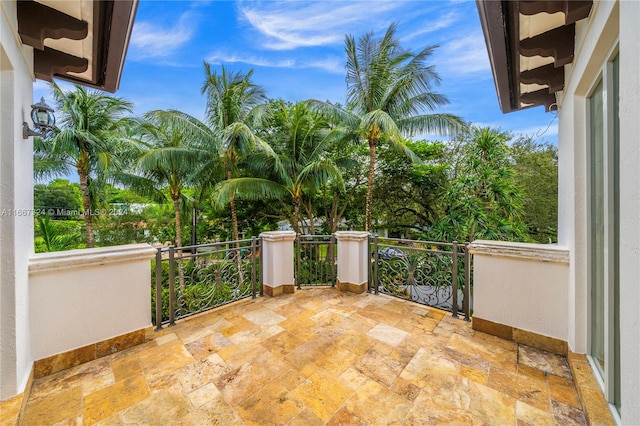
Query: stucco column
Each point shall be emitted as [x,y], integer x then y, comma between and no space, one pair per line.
[277,262]
[16,205]
[353,261]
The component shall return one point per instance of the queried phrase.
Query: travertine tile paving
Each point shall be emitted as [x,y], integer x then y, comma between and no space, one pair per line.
[310,358]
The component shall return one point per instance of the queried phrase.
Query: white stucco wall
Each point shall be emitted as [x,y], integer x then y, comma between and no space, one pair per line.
[277,257]
[630,210]
[595,41]
[80,297]
[353,257]
[16,202]
[521,285]
[610,25]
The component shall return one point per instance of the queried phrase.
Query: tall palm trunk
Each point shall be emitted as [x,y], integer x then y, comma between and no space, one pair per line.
[296,213]
[372,168]
[176,212]
[175,196]
[236,236]
[312,220]
[234,212]
[83,177]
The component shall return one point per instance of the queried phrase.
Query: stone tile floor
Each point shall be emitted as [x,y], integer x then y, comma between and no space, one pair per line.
[314,357]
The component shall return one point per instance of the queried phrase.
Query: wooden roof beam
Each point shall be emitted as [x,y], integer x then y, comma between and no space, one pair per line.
[37,22]
[48,62]
[546,75]
[540,97]
[574,10]
[557,43]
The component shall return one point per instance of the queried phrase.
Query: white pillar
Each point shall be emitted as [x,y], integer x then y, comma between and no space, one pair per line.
[353,261]
[16,204]
[277,262]
[630,205]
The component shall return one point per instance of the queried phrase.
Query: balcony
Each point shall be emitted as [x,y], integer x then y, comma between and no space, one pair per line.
[313,357]
[307,355]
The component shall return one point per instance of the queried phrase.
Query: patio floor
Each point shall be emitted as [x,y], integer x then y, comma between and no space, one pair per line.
[315,357]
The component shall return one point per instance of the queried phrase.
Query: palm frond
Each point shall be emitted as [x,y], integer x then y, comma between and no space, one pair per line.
[440,124]
[317,173]
[141,185]
[248,189]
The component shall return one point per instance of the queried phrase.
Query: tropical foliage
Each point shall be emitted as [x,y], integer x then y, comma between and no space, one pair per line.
[172,147]
[52,236]
[59,198]
[389,95]
[483,199]
[536,171]
[300,166]
[233,105]
[90,133]
[255,164]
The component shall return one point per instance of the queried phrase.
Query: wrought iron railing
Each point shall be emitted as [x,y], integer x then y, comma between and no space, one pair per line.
[432,273]
[315,260]
[189,280]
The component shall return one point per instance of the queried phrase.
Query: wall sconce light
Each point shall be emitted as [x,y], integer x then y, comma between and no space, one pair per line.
[43,120]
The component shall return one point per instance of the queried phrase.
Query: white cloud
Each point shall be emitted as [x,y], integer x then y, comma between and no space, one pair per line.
[150,40]
[466,55]
[288,25]
[330,64]
[442,22]
[259,61]
[547,130]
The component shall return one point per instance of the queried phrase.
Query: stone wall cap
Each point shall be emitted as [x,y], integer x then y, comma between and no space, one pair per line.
[59,260]
[278,235]
[352,235]
[540,252]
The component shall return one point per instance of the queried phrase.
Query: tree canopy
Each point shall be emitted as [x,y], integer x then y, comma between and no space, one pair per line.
[256,164]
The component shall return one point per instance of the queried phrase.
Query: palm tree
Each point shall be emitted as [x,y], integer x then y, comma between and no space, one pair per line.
[174,147]
[54,238]
[301,164]
[87,140]
[234,107]
[389,95]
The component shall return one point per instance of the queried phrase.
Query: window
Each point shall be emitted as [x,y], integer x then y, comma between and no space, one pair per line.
[604,231]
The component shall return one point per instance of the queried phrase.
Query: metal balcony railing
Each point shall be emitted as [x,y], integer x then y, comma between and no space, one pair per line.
[431,273]
[315,260]
[189,280]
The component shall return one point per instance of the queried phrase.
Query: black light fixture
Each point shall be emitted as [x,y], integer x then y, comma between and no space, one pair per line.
[43,120]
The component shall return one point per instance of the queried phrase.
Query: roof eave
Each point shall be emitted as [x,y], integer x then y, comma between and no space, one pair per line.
[492,19]
[112,27]
[518,85]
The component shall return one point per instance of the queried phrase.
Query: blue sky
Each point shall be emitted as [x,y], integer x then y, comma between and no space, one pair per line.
[296,49]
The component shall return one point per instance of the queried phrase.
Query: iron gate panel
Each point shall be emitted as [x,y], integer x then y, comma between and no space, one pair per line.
[315,260]
[193,279]
[431,273]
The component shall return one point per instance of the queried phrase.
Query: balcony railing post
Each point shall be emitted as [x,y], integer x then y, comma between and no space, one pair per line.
[159,289]
[260,257]
[370,270]
[467,283]
[298,262]
[253,267]
[454,279]
[172,287]
[331,255]
[376,258]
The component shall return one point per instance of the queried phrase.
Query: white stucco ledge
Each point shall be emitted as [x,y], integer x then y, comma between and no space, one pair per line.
[351,235]
[537,252]
[61,260]
[278,235]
